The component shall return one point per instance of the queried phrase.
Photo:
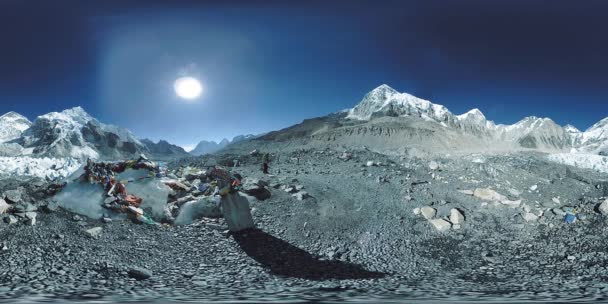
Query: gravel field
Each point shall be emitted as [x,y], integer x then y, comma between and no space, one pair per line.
[353,235]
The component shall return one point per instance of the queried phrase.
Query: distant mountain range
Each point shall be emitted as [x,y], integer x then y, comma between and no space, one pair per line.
[74,133]
[392,122]
[207,147]
[384,120]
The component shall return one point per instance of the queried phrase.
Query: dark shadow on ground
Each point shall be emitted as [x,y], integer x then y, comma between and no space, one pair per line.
[285,259]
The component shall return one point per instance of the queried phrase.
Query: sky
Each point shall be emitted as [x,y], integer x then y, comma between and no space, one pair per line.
[266,65]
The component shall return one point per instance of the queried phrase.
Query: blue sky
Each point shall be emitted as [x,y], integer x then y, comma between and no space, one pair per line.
[266,65]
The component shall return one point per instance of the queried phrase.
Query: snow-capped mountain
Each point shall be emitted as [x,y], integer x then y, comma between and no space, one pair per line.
[74,133]
[529,133]
[385,101]
[12,126]
[206,147]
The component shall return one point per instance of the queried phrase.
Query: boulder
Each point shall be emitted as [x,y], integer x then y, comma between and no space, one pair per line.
[302,195]
[511,204]
[30,218]
[256,188]
[290,189]
[416,211]
[533,187]
[370,163]
[25,207]
[440,224]
[139,273]
[467,192]
[13,196]
[456,217]
[428,212]
[602,208]
[433,165]
[11,220]
[345,156]
[3,206]
[488,194]
[93,232]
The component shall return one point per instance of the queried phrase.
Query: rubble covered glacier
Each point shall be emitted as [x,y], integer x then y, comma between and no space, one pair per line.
[371,227]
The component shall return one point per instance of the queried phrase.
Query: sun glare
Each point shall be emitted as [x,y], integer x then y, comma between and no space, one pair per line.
[188,87]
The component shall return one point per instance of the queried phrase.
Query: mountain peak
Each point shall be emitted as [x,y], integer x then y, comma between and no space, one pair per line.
[472,114]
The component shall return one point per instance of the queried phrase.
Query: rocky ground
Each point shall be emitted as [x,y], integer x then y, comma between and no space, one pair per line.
[337,226]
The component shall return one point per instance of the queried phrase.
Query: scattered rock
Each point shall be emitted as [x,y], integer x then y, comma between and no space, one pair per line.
[11,220]
[428,212]
[467,192]
[416,211]
[94,232]
[106,220]
[30,218]
[433,165]
[533,188]
[139,273]
[51,206]
[14,196]
[556,200]
[602,208]
[407,198]
[3,206]
[488,194]
[512,204]
[302,195]
[440,224]
[456,217]
[256,188]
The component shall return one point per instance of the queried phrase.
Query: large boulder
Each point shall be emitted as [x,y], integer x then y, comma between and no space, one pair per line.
[93,232]
[440,224]
[602,208]
[208,206]
[256,188]
[456,217]
[14,196]
[428,212]
[433,165]
[3,206]
[488,194]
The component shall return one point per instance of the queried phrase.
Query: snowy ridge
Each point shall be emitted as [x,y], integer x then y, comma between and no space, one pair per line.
[12,125]
[530,133]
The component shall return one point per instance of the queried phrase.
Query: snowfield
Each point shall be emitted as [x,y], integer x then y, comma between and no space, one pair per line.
[37,167]
[587,161]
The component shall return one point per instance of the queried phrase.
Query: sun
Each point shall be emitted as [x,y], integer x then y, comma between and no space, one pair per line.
[188,87]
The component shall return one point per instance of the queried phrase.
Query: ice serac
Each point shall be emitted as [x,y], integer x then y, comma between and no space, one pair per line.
[595,139]
[12,125]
